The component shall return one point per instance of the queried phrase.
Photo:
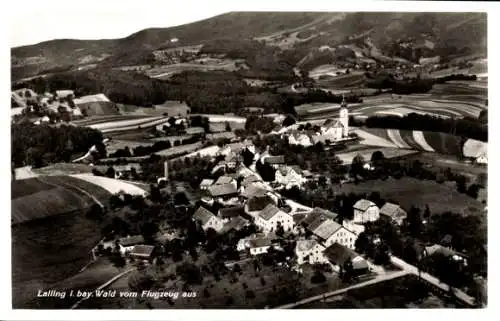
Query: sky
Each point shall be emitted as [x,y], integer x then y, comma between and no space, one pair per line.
[105,19]
[34,21]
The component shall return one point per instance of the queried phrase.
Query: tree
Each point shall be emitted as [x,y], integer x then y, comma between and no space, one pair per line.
[279,230]
[117,259]
[414,221]
[248,157]
[377,158]
[318,277]
[357,165]
[288,121]
[228,127]
[110,172]
[427,212]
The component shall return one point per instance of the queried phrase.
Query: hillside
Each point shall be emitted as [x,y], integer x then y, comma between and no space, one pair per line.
[299,35]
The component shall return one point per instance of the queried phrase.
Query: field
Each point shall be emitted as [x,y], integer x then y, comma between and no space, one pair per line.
[417,140]
[49,250]
[40,197]
[113,186]
[347,157]
[167,71]
[63,169]
[409,191]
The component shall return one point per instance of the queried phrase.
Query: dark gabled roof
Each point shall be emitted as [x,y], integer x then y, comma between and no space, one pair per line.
[131,240]
[259,202]
[253,190]
[260,242]
[221,190]
[203,215]
[298,218]
[233,211]
[249,179]
[142,250]
[279,159]
[339,254]
[269,211]
[224,180]
[326,229]
[392,210]
[236,223]
[363,204]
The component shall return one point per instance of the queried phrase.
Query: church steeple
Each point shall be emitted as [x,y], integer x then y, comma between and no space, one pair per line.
[343,104]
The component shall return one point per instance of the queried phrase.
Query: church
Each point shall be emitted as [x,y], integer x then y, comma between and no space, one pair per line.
[332,130]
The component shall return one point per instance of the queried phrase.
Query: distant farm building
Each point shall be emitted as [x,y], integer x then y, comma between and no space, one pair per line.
[96,105]
[174,108]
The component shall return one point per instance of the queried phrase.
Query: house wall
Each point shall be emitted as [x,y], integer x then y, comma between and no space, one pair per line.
[343,237]
[215,223]
[370,215]
[259,250]
[271,224]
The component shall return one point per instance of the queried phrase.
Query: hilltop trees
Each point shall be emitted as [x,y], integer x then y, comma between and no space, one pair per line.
[40,145]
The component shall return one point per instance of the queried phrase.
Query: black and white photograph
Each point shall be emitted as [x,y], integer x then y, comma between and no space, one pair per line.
[249,159]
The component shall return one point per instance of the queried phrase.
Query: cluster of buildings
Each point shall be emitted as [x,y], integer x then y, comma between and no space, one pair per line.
[61,103]
[331,131]
[244,198]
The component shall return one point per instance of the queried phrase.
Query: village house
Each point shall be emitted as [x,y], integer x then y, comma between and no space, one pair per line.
[207,219]
[206,183]
[365,211]
[332,130]
[254,189]
[257,203]
[327,232]
[259,246]
[289,176]
[225,179]
[274,161]
[447,252]
[271,217]
[223,193]
[143,252]
[309,251]
[235,224]
[229,213]
[393,212]
[338,255]
[299,138]
[249,180]
[482,159]
[125,244]
[65,93]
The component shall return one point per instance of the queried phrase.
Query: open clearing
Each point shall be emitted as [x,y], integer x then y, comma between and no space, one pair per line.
[409,191]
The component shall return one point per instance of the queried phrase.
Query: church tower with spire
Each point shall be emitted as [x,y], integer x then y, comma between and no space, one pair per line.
[344,117]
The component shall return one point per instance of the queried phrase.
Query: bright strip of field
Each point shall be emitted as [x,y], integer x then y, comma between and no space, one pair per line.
[418,136]
[107,119]
[123,123]
[372,140]
[141,125]
[347,158]
[113,186]
[407,136]
[474,148]
[395,136]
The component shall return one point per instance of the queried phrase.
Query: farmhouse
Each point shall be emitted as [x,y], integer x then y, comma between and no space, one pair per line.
[235,224]
[254,189]
[327,232]
[229,213]
[206,183]
[223,192]
[259,246]
[289,176]
[300,139]
[339,256]
[195,130]
[482,159]
[271,217]
[393,212]
[258,203]
[441,250]
[249,180]
[144,252]
[125,244]
[225,180]
[275,161]
[207,219]
[173,108]
[365,211]
[65,93]
[309,251]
